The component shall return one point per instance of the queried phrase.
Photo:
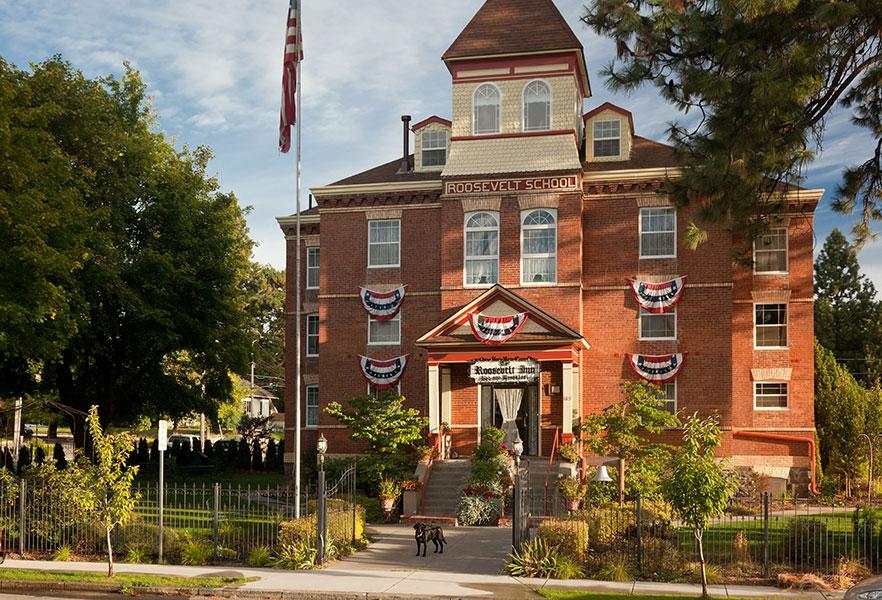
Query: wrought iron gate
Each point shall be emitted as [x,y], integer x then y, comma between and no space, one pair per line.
[336,505]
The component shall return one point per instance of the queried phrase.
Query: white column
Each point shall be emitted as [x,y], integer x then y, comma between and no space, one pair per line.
[434,390]
[445,397]
[567,412]
[577,394]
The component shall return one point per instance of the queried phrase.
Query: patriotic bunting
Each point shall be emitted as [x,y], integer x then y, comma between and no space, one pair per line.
[657,369]
[495,330]
[382,374]
[658,297]
[382,305]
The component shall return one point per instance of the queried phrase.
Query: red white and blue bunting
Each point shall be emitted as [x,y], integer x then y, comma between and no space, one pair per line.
[658,297]
[382,305]
[657,369]
[495,330]
[382,374]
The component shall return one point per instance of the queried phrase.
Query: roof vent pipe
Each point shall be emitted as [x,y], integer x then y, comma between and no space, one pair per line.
[405,166]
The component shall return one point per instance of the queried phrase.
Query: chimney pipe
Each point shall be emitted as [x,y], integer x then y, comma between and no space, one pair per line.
[405,167]
[310,201]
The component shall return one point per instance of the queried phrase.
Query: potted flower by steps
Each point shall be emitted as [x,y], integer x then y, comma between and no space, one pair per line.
[572,489]
[389,492]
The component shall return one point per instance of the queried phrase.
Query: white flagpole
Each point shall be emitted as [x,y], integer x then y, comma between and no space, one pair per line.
[297,362]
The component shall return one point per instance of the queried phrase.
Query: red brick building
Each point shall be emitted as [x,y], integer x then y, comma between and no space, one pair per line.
[522,219]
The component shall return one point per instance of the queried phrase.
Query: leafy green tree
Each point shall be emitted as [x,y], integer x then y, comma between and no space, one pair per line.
[758,80]
[625,429]
[696,486]
[265,294]
[123,281]
[109,480]
[381,421]
[254,429]
[847,315]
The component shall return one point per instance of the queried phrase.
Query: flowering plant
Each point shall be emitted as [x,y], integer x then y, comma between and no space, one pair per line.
[389,488]
[503,449]
[409,485]
[482,492]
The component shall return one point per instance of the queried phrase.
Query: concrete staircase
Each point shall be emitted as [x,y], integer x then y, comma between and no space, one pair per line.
[444,486]
[538,473]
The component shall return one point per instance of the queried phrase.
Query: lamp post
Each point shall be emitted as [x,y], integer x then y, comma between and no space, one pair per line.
[518,447]
[321,446]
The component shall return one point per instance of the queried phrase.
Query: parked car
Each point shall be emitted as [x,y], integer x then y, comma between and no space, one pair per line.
[183,437]
[868,589]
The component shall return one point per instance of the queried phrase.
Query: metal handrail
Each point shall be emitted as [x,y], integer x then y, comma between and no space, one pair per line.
[550,461]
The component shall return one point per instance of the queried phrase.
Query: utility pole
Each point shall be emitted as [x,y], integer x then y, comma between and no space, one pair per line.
[16,432]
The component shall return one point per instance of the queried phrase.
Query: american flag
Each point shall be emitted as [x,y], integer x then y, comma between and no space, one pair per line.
[293,55]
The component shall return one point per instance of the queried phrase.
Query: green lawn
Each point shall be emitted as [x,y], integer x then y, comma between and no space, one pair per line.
[123,579]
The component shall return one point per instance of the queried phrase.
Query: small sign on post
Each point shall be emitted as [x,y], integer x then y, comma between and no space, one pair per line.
[162,446]
[162,436]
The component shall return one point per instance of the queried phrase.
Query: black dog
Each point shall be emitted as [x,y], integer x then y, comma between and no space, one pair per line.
[423,533]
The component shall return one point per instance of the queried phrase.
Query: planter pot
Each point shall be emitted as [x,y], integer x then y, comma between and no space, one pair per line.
[388,504]
[573,505]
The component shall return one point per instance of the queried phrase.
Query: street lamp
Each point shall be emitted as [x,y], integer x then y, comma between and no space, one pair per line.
[321,447]
[518,447]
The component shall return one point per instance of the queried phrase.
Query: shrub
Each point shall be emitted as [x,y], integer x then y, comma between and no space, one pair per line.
[569,453]
[339,526]
[805,541]
[136,553]
[260,557]
[256,456]
[570,487]
[661,556]
[196,552]
[243,457]
[714,576]
[571,538]
[297,555]
[389,488]
[62,554]
[539,559]
[618,569]
[478,510]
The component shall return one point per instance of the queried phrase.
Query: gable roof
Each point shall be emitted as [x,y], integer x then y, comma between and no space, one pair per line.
[540,327]
[514,27]
[432,119]
[612,107]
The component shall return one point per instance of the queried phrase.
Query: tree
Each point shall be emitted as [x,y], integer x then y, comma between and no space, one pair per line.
[761,78]
[624,429]
[265,293]
[847,315]
[133,297]
[254,428]
[381,421]
[109,480]
[696,486]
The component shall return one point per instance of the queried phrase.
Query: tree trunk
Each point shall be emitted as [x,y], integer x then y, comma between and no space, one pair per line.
[698,536]
[109,555]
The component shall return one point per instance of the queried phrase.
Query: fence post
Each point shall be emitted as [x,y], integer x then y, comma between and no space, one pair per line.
[22,495]
[766,535]
[216,516]
[320,520]
[354,508]
[639,532]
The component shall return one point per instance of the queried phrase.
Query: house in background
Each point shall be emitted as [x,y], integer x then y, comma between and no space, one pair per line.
[258,402]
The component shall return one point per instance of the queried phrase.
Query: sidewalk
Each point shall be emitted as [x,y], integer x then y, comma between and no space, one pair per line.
[389,570]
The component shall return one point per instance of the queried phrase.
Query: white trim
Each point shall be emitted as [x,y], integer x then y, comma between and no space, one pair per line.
[465,255]
[786,324]
[498,110]
[786,253]
[395,319]
[316,268]
[318,331]
[398,259]
[524,106]
[306,406]
[773,408]
[640,232]
[676,397]
[641,312]
[292,219]
[524,215]
[423,148]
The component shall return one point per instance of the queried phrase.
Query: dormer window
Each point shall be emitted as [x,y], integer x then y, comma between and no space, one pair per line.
[537,106]
[434,149]
[487,109]
[607,138]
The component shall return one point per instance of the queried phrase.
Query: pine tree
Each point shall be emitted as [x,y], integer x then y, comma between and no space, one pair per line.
[143,451]
[39,455]
[24,458]
[243,460]
[256,456]
[58,455]
[272,456]
[208,450]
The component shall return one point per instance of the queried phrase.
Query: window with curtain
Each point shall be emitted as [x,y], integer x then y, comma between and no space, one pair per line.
[537,106]
[433,149]
[658,325]
[312,267]
[539,246]
[312,334]
[384,238]
[770,252]
[481,248]
[312,405]
[658,232]
[487,109]
[770,325]
[384,333]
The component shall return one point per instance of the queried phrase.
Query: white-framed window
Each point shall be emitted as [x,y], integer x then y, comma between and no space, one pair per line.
[607,138]
[312,334]
[658,232]
[537,106]
[770,325]
[658,326]
[770,252]
[312,405]
[770,395]
[384,243]
[384,333]
[481,248]
[395,389]
[486,109]
[669,396]
[312,267]
[434,149]
[539,246]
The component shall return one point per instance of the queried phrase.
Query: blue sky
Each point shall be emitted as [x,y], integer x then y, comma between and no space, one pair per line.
[214,71]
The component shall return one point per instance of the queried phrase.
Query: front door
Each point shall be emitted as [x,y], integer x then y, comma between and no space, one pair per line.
[527,420]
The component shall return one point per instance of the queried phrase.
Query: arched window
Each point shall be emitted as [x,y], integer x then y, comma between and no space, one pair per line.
[539,246]
[537,106]
[481,248]
[487,108]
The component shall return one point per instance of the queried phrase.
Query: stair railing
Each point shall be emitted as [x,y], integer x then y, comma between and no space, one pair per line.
[435,452]
[551,460]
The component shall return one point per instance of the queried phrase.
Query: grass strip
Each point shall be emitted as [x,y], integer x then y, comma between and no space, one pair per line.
[123,579]
[577,595]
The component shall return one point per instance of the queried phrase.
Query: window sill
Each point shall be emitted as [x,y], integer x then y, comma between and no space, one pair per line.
[656,339]
[659,256]
[538,283]
[398,343]
[311,355]
[311,287]
[395,266]
[478,285]
[771,347]
[771,408]
[771,272]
